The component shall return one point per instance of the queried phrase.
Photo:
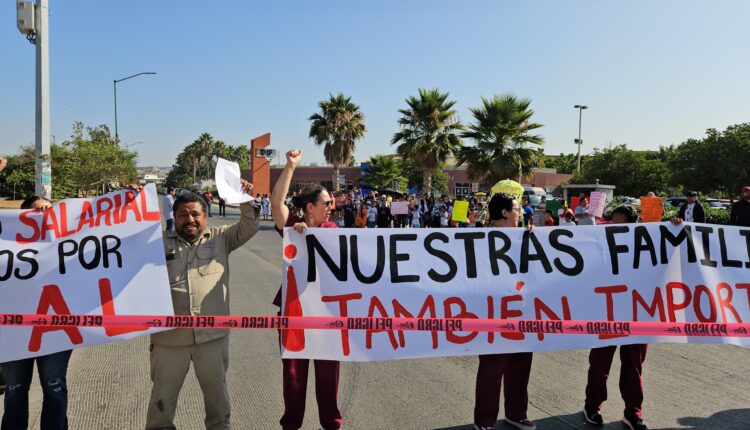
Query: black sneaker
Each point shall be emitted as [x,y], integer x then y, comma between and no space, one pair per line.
[634,424]
[592,416]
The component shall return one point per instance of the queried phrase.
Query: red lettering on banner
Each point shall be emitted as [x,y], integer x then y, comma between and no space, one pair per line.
[130,205]
[656,305]
[148,215]
[540,307]
[745,287]
[343,300]
[454,338]
[726,302]
[87,216]
[25,218]
[49,223]
[506,313]
[63,208]
[609,291]
[375,303]
[52,297]
[673,307]
[108,309]
[102,211]
[699,291]
[400,311]
[292,339]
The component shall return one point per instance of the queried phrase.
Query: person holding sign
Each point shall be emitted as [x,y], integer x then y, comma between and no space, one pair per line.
[315,203]
[197,261]
[53,369]
[516,367]
[631,368]
[582,213]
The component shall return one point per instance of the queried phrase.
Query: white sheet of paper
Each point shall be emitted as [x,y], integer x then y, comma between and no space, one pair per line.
[228,182]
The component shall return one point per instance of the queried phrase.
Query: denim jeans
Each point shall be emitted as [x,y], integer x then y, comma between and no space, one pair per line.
[52,370]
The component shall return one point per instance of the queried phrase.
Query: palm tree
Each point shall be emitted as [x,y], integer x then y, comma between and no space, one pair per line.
[501,133]
[206,144]
[428,132]
[191,156]
[338,125]
[381,172]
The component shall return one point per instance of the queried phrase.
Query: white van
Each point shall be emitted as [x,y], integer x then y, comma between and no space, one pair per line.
[534,194]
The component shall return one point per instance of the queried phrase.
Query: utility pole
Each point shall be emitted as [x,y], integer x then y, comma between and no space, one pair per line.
[579,141]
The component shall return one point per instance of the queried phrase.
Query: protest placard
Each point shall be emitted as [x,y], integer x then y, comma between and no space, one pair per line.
[554,206]
[100,256]
[597,203]
[574,202]
[652,209]
[460,211]
[607,276]
[400,208]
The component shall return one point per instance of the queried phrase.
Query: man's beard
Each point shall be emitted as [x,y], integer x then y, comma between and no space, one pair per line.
[190,237]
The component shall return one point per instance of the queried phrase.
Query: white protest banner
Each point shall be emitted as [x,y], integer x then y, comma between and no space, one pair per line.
[604,275]
[400,208]
[101,256]
[597,203]
[229,182]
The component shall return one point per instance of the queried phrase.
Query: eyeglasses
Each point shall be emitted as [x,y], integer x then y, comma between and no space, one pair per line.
[327,203]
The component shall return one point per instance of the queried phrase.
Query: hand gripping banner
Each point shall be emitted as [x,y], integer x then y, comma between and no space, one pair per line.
[581,277]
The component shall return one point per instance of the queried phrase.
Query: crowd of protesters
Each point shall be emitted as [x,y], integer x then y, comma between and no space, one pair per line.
[172,352]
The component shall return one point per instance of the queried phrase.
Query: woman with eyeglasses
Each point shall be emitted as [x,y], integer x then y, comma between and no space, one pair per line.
[314,205]
[515,368]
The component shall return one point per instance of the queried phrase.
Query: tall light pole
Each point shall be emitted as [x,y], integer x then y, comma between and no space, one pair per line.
[114,84]
[32,22]
[579,141]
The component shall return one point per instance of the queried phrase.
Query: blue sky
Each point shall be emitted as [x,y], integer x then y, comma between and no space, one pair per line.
[652,73]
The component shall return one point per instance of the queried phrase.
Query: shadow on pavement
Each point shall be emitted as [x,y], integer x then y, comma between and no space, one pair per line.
[733,419]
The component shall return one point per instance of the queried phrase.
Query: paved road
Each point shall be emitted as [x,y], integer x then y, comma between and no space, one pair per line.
[687,386]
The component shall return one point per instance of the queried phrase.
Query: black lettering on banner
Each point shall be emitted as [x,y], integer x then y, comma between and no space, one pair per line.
[705,232]
[379,264]
[9,264]
[107,250]
[746,233]
[314,246]
[725,261]
[89,265]
[395,257]
[446,257]
[500,254]
[685,235]
[471,258]
[614,248]
[62,253]
[554,240]
[22,256]
[643,242]
[540,255]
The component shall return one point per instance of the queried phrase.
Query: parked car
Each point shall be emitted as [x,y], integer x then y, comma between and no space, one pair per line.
[534,194]
[716,204]
[677,201]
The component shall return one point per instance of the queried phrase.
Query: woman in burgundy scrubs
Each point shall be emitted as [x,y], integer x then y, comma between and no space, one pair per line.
[314,204]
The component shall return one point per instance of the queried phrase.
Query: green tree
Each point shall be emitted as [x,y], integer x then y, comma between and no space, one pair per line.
[428,132]
[563,163]
[632,172]
[719,163]
[337,127]
[94,159]
[415,178]
[501,135]
[382,172]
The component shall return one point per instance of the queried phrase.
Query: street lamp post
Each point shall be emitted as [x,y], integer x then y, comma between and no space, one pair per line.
[114,84]
[579,141]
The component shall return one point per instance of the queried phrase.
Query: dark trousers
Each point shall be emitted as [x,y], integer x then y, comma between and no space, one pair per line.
[631,382]
[52,371]
[295,390]
[170,224]
[516,369]
[222,209]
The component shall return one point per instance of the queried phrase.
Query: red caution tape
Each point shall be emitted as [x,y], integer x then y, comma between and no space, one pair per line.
[617,328]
